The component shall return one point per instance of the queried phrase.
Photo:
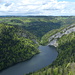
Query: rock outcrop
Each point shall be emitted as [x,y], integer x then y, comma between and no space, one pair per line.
[53,39]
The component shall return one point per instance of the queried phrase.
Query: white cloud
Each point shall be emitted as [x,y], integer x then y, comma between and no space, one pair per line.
[37,7]
[37,1]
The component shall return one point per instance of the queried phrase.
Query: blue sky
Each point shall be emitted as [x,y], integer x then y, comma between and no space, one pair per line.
[37,7]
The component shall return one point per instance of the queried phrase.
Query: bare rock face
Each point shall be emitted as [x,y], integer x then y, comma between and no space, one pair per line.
[53,43]
[53,39]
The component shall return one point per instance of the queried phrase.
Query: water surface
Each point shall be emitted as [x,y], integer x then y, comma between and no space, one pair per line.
[43,59]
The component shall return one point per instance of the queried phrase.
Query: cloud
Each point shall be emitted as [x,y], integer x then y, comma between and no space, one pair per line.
[7,4]
[36,7]
[0,1]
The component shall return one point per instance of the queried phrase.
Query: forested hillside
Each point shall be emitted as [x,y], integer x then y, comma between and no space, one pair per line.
[17,42]
[65,62]
[39,25]
[16,45]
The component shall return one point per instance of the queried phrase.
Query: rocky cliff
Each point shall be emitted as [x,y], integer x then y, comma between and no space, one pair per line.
[53,39]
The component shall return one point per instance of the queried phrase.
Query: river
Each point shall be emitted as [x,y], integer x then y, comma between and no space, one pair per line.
[43,59]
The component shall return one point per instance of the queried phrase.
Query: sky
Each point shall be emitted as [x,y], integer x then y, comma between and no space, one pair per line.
[37,7]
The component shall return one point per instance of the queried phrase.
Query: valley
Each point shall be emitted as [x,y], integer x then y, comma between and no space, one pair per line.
[18,36]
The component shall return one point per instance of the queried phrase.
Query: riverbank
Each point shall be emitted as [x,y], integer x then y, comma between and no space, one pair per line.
[39,61]
[65,62]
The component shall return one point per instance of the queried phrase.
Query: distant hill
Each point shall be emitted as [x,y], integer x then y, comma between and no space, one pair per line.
[38,25]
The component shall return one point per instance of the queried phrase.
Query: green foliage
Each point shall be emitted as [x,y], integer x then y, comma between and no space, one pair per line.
[45,38]
[57,71]
[15,46]
[64,64]
[66,49]
[16,21]
[39,26]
